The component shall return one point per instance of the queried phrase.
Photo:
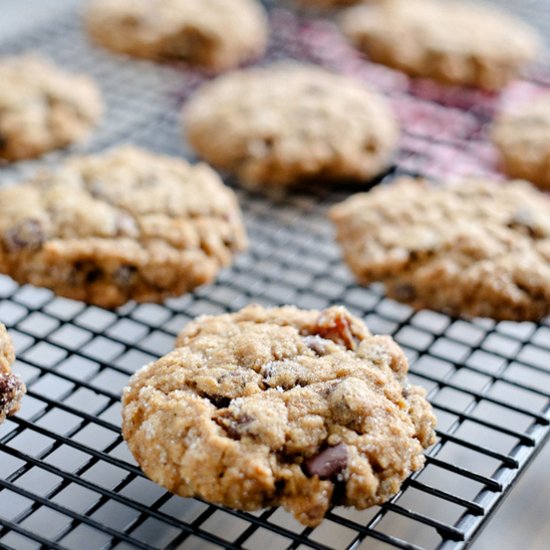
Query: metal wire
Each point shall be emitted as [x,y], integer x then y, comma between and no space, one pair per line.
[67,481]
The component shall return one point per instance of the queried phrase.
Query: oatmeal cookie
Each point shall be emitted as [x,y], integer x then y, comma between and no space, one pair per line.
[267,407]
[42,107]
[122,225]
[471,248]
[291,122]
[215,34]
[453,42]
[328,4]
[523,139]
[11,387]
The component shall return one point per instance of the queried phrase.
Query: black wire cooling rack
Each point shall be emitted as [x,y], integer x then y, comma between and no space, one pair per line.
[67,480]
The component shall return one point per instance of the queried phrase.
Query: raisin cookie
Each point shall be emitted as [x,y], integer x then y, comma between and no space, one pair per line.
[328,4]
[290,122]
[454,42]
[471,248]
[125,224]
[43,107]
[523,139]
[11,387]
[214,34]
[266,407]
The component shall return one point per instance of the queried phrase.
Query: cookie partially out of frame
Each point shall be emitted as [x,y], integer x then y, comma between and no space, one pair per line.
[267,407]
[328,4]
[43,107]
[11,387]
[454,42]
[122,225]
[471,248]
[215,34]
[289,122]
[523,139]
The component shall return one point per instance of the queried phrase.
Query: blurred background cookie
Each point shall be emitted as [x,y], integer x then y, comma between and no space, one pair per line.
[43,107]
[453,42]
[472,248]
[523,139]
[290,122]
[122,225]
[327,4]
[214,34]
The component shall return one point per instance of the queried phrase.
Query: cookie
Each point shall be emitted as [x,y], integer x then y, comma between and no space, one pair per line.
[11,387]
[523,140]
[267,407]
[122,225]
[327,4]
[290,122]
[42,107]
[215,34]
[453,42]
[472,248]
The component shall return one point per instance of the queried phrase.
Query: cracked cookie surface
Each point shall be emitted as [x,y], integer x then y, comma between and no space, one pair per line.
[11,387]
[215,34]
[43,107]
[267,407]
[121,225]
[290,122]
[471,248]
[453,42]
[523,139]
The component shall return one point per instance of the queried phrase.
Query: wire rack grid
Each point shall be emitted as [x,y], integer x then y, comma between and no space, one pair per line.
[67,480]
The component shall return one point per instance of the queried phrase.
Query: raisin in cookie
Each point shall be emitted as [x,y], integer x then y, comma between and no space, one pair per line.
[43,107]
[11,387]
[266,407]
[290,122]
[454,42]
[215,34]
[472,248]
[121,225]
[523,139]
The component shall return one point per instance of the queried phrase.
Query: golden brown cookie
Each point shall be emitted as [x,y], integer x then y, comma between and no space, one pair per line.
[267,407]
[454,42]
[291,122]
[11,387]
[42,107]
[471,248]
[523,139]
[215,34]
[121,225]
